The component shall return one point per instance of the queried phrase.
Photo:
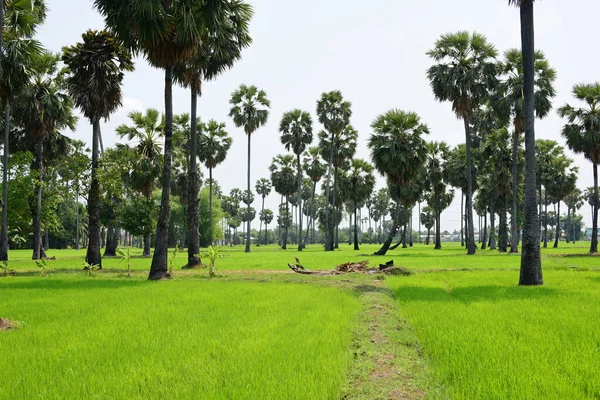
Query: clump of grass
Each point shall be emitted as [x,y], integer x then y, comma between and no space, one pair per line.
[6,270]
[125,256]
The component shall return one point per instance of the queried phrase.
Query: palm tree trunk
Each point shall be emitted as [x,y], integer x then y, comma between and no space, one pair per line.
[300,246]
[462,218]
[94,243]
[158,269]
[328,239]
[262,211]
[427,239]
[266,232]
[210,206]
[419,221]
[469,195]
[492,229]
[248,225]
[594,244]
[568,227]
[531,263]
[540,209]
[112,240]
[4,229]
[557,226]
[484,239]
[438,231]
[193,248]
[546,218]
[78,220]
[503,232]
[285,224]
[37,223]
[514,235]
[355,228]
[388,242]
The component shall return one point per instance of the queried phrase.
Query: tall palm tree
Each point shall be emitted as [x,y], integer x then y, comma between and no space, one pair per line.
[225,36]
[315,169]
[250,110]
[362,181]
[562,180]
[214,145]
[283,176]
[398,152]
[510,102]
[465,74]
[574,201]
[439,197]
[428,220]
[296,135]
[531,262]
[96,72]
[146,133]
[582,132]
[334,113]
[266,216]
[44,108]
[167,33]
[263,188]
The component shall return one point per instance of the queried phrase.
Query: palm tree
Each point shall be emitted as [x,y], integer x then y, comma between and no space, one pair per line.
[465,75]
[334,113]
[18,22]
[44,108]
[531,262]
[250,110]
[227,34]
[147,130]
[285,183]
[315,169]
[362,182]
[266,216]
[398,152]
[96,72]
[167,33]
[510,103]
[214,145]
[574,201]
[296,135]
[263,188]
[428,219]
[582,132]
[562,183]
[439,198]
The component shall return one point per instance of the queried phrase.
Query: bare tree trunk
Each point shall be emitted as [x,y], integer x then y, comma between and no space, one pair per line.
[557,226]
[492,230]
[546,218]
[503,232]
[248,226]
[531,263]
[4,229]
[438,231]
[300,246]
[193,240]
[471,247]
[594,243]
[514,235]
[484,239]
[285,224]
[158,269]
[112,241]
[462,219]
[355,229]
[93,251]
[37,222]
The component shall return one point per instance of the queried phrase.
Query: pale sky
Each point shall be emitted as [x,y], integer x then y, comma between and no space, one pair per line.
[374,52]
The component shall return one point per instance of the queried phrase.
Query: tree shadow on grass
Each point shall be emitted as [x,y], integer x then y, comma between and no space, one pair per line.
[472,294]
[47,283]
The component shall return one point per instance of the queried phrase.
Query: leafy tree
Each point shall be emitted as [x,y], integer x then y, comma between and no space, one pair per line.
[438,198]
[361,183]
[96,72]
[531,262]
[44,108]
[146,133]
[263,188]
[428,219]
[334,113]
[398,152]
[284,181]
[225,35]
[167,33]
[250,110]
[18,22]
[561,184]
[465,74]
[296,135]
[582,132]
[510,102]
[214,145]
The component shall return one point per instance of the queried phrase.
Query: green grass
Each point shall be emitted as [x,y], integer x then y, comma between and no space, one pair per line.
[486,338]
[123,339]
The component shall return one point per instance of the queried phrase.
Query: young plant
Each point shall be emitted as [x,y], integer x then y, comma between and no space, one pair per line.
[6,270]
[212,254]
[172,261]
[42,265]
[90,269]
[126,256]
